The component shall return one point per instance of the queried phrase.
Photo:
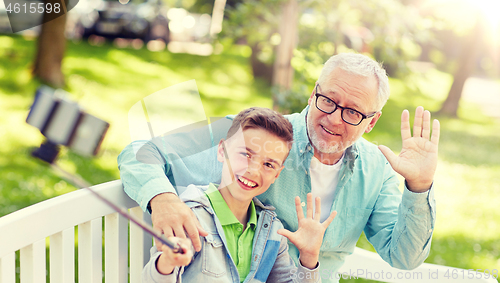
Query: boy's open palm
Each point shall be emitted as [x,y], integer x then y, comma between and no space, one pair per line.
[309,237]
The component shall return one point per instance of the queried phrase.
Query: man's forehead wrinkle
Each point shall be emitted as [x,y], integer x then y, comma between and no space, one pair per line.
[357,91]
[350,103]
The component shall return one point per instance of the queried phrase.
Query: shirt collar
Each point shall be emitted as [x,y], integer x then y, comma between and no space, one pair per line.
[225,215]
[301,137]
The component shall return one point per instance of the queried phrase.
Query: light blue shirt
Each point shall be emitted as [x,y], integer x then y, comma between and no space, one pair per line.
[367,197]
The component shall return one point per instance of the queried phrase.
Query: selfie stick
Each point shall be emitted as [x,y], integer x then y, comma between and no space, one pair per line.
[123,212]
[63,122]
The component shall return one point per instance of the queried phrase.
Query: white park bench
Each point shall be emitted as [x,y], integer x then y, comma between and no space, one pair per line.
[26,234]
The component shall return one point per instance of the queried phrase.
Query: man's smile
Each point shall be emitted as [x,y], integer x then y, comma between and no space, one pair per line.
[328,131]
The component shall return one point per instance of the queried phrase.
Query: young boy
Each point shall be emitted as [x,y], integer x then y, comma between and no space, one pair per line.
[245,241]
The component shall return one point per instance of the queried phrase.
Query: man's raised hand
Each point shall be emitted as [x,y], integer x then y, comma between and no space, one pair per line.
[417,161]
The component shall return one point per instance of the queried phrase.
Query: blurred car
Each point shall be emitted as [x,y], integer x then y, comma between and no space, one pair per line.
[144,19]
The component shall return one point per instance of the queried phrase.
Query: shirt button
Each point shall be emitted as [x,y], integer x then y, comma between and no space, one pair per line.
[239,229]
[430,230]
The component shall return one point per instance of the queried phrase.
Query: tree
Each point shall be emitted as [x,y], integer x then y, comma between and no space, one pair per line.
[51,47]
[387,30]
[466,66]
[283,70]
[255,22]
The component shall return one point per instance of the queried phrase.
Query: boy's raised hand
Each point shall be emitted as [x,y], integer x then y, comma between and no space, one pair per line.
[309,237]
[168,260]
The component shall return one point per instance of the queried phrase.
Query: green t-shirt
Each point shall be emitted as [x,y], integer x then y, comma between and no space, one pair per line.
[239,242]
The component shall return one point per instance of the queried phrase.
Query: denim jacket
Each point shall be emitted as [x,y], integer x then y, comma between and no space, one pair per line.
[270,259]
[367,198]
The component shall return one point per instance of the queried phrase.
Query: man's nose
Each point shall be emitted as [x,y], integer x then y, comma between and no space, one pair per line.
[335,118]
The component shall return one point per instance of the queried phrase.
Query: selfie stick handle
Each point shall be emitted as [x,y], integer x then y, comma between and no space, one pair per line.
[123,212]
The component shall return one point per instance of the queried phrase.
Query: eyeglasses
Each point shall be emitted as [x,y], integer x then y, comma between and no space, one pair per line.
[349,115]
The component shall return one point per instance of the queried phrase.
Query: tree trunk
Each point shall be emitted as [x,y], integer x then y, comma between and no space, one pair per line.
[283,71]
[51,47]
[260,69]
[467,63]
[217,17]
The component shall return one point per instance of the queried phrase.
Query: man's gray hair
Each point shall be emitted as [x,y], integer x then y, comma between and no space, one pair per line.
[361,65]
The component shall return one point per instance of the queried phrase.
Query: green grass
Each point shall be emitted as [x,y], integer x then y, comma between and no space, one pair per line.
[107,82]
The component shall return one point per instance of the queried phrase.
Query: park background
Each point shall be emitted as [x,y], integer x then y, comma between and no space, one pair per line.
[441,54]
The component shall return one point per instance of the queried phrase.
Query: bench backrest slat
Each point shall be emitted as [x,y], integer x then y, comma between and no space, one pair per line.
[90,251]
[55,221]
[8,268]
[32,260]
[62,256]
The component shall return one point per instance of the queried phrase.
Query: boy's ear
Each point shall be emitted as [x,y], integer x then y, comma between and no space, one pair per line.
[220,151]
[278,173]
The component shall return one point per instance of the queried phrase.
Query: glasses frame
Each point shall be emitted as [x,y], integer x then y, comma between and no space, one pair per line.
[317,94]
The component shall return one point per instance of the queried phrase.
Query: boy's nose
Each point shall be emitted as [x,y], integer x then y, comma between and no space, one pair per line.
[253,166]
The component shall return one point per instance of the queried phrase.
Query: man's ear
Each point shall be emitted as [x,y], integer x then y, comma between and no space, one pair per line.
[311,98]
[373,122]
[220,151]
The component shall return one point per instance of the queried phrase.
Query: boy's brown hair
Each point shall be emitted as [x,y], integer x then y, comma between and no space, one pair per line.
[266,119]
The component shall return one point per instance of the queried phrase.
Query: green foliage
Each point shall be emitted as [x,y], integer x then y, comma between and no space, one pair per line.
[290,101]
[193,6]
[253,21]
[388,30]
[106,82]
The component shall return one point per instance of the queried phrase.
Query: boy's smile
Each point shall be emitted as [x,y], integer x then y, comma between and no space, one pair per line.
[246,184]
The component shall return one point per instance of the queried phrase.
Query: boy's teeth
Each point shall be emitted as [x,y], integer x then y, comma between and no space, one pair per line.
[248,183]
